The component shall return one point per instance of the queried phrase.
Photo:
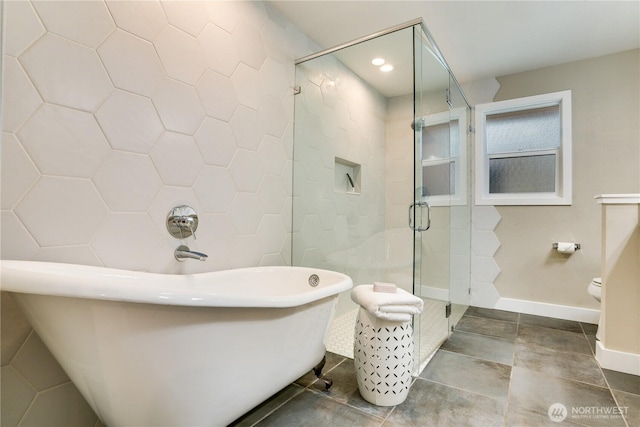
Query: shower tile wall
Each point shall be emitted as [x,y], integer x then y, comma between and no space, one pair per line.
[115,112]
[339,115]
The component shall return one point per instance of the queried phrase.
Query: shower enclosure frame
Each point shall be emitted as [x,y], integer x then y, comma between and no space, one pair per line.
[421,39]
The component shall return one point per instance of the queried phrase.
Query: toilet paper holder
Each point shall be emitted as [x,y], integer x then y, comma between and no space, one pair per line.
[576,245]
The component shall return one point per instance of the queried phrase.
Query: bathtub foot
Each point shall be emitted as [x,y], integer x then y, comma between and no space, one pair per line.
[328,382]
[317,370]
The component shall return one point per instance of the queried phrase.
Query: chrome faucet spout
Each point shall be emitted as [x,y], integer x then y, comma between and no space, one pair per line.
[182,252]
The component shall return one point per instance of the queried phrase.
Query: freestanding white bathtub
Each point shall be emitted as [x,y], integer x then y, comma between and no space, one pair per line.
[193,350]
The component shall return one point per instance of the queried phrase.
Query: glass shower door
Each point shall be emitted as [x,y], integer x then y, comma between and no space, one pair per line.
[441,196]
[432,196]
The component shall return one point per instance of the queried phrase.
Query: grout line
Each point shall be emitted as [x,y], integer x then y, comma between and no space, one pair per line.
[38,393]
[593,350]
[490,318]
[464,390]
[515,341]
[485,335]
[613,396]
[22,345]
[327,395]
[279,406]
[513,364]
[474,357]
[567,352]
[619,407]
[563,352]
[507,406]
[573,380]
[68,381]
[35,394]
[572,421]
[553,329]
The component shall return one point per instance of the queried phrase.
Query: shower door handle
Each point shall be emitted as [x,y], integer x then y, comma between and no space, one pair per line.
[421,205]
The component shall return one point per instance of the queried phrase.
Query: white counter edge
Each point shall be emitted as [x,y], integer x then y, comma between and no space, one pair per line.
[618,199]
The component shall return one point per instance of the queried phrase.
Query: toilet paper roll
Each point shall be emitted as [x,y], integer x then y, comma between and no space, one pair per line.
[566,247]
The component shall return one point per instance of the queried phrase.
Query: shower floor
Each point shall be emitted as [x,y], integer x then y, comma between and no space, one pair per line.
[433,329]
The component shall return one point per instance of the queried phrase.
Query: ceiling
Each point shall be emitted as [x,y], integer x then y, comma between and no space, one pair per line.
[397,49]
[482,39]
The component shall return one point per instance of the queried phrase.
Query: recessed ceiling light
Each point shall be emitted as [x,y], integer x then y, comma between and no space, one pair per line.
[386,68]
[378,61]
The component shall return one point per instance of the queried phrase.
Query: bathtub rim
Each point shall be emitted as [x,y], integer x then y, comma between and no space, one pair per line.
[103,283]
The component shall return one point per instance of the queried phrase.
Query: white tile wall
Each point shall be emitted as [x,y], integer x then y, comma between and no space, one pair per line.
[484,244]
[130,122]
[66,73]
[131,62]
[67,131]
[19,92]
[87,23]
[114,112]
[17,164]
[23,29]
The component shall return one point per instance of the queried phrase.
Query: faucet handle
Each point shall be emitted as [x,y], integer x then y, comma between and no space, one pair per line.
[182,222]
[185,222]
[190,226]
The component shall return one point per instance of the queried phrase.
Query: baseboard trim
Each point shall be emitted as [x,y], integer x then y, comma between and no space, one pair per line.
[585,315]
[620,361]
[434,293]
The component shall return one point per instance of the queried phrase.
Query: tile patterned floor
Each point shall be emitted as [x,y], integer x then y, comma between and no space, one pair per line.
[497,369]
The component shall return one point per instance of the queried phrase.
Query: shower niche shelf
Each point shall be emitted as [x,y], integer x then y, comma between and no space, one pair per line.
[347,176]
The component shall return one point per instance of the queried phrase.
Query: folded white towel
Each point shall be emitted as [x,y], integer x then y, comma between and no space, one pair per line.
[397,307]
[389,288]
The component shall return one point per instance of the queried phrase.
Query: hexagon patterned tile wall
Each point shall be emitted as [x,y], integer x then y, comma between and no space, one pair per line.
[484,244]
[114,112]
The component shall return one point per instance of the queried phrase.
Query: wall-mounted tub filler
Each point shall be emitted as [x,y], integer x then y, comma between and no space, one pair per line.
[183,252]
[182,222]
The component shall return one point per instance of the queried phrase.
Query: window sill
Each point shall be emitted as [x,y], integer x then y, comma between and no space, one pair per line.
[523,200]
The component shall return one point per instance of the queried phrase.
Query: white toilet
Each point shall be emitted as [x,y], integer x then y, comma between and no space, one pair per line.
[595,290]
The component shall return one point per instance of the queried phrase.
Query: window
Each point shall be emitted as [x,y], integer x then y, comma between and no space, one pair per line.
[523,151]
[444,157]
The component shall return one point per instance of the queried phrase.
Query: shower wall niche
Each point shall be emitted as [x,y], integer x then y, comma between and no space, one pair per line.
[347,176]
[369,147]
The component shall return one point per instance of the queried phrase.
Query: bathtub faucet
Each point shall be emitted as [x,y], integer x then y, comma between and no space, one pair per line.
[183,252]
